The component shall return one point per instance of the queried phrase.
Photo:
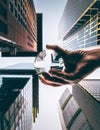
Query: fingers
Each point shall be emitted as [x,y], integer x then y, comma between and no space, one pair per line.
[49,77]
[83,69]
[58,73]
[69,77]
[50,83]
[52,80]
[57,49]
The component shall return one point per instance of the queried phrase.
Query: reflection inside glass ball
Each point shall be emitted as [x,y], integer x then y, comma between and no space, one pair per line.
[46,60]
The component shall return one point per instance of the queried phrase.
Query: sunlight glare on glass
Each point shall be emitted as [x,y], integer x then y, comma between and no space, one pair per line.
[46,60]
[42,61]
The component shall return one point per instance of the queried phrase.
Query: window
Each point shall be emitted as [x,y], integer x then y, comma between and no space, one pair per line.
[21,21]
[3,12]
[15,2]
[30,44]
[3,27]
[11,7]
[15,13]
[19,18]
[21,12]
[21,2]
[19,8]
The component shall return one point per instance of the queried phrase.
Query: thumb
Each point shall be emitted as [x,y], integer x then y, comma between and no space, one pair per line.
[57,49]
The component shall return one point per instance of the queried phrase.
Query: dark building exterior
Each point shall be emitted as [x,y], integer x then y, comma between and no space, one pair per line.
[39,32]
[79,25]
[18,25]
[15,103]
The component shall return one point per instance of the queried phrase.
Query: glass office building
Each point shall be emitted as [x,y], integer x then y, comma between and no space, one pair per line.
[81,108]
[15,103]
[79,26]
[87,95]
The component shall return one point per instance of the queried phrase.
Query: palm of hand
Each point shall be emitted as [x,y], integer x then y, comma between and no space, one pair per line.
[71,60]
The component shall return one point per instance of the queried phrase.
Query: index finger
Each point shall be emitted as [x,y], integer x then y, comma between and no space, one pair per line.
[57,49]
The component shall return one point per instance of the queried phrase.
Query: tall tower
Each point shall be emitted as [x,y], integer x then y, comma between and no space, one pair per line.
[79,28]
[79,25]
[18,25]
[80,109]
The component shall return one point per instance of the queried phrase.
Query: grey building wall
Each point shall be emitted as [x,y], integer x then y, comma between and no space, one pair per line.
[79,24]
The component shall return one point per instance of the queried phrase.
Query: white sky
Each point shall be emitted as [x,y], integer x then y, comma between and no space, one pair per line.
[48,117]
[52,11]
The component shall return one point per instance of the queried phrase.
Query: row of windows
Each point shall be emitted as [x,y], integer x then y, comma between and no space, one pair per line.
[70,47]
[89,16]
[32,28]
[82,44]
[29,44]
[32,33]
[20,16]
[86,37]
[74,118]
[92,87]
[74,46]
[20,11]
[20,4]
[86,32]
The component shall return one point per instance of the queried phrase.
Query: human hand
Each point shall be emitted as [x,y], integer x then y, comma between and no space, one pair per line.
[78,64]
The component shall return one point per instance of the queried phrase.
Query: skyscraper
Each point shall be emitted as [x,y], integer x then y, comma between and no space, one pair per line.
[80,109]
[15,103]
[18,25]
[79,28]
[79,25]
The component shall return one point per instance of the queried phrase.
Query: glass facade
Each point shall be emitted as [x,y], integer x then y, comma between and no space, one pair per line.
[85,31]
[85,37]
[81,108]
[65,98]
[73,117]
[15,103]
[87,95]
[81,123]
[80,28]
[92,86]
